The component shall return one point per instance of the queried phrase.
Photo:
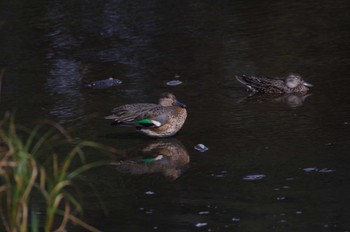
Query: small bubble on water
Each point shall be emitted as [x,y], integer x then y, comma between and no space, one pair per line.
[149,193]
[201,224]
[298,212]
[254,177]
[280,198]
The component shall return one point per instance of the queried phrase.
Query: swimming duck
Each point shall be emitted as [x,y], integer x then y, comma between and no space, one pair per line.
[156,120]
[292,83]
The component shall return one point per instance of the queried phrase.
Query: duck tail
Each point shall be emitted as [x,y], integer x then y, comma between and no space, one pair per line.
[112,116]
[242,79]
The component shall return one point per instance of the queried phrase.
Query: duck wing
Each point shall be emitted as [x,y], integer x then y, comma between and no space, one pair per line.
[261,84]
[141,114]
[155,117]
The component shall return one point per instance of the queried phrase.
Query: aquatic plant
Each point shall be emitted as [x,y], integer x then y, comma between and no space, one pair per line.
[31,167]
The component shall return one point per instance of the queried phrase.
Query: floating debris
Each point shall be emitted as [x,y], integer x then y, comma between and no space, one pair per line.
[220,175]
[326,170]
[280,198]
[174,83]
[201,224]
[103,84]
[323,170]
[314,169]
[203,212]
[298,212]
[254,177]
[146,211]
[150,211]
[201,147]
[236,219]
[149,193]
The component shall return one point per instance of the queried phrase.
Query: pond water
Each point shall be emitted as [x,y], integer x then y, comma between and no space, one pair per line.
[272,164]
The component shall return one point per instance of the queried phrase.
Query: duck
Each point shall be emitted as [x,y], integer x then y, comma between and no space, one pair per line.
[160,120]
[292,83]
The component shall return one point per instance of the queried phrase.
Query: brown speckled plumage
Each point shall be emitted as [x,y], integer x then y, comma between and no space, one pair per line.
[292,83]
[168,116]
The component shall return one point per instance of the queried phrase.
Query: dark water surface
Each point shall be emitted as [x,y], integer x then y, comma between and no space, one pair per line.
[298,148]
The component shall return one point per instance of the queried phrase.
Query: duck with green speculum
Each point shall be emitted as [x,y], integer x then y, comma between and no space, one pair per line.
[292,83]
[155,120]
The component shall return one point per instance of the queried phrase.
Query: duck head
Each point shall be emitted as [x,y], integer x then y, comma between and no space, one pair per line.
[169,99]
[294,80]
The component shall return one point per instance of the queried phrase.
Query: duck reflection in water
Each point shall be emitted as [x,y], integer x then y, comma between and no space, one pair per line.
[292,100]
[166,156]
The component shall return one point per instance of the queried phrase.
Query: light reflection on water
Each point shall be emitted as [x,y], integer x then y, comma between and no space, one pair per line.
[299,143]
[64,85]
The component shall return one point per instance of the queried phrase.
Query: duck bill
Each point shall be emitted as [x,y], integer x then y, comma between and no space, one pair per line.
[177,103]
[307,84]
